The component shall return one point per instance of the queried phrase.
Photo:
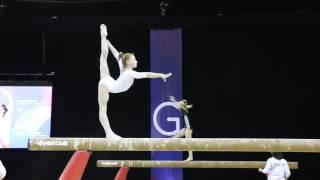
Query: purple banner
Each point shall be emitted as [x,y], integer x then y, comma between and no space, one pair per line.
[166,52]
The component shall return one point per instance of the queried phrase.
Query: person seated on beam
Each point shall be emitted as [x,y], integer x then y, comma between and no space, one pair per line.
[276,168]
[186,132]
[127,62]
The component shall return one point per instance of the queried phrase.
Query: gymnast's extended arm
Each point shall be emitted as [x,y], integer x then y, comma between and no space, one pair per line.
[116,55]
[158,75]
[114,51]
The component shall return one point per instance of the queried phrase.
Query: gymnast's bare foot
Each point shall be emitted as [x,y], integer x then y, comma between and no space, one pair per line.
[112,135]
[189,159]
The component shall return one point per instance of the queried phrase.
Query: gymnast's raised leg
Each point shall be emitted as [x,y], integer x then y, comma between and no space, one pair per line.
[103,92]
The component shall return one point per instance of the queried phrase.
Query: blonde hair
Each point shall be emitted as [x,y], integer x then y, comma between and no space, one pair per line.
[125,57]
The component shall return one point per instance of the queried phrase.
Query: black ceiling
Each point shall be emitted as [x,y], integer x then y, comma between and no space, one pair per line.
[150,7]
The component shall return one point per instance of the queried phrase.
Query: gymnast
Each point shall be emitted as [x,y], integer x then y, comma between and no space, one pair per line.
[186,132]
[127,62]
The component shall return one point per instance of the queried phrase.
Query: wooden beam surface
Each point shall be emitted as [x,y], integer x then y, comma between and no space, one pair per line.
[186,164]
[175,144]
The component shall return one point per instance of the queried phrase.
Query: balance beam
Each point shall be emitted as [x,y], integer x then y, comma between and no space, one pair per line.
[186,164]
[175,144]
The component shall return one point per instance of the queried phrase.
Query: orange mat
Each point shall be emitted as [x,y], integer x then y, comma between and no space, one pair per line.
[76,166]
[122,173]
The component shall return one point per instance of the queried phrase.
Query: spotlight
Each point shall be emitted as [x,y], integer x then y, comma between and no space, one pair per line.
[2,7]
[163,7]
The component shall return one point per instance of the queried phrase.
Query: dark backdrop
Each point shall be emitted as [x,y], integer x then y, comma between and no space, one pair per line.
[250,77]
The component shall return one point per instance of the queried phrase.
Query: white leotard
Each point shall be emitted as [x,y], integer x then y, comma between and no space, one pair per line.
[277,169]
[124,81]
[126,78]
